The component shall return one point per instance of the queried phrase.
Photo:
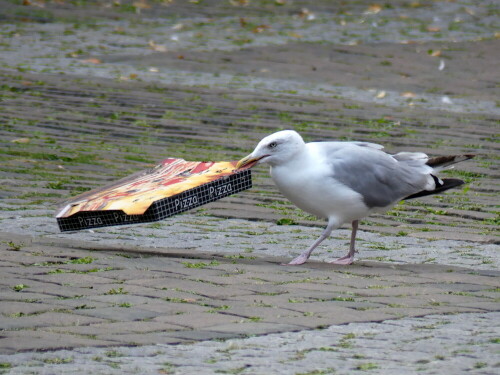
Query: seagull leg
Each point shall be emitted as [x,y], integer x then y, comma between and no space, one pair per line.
[349,258]
[302,258]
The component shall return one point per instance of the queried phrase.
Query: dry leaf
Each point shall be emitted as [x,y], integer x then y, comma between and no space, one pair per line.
[157,47]
[307,14]
[441,65]
[470,11]
[92,61]
[141,5]
[293,34]
[373,9]
[260,28]
[180,57]
[153,69]
[435,53]
[239,2]
[408,94]
[21,140]
[433,29]
[178,26]
[280,2]
[380,95]
[132,76]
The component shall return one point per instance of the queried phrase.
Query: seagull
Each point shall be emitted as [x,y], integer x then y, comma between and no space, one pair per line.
[344,182]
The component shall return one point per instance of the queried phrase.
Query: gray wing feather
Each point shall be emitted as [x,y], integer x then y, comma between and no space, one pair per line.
[379,177]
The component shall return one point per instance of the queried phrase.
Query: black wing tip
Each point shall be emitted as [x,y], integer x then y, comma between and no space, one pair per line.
[447,183]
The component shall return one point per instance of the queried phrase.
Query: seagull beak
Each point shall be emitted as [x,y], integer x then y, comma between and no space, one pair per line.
[248,162]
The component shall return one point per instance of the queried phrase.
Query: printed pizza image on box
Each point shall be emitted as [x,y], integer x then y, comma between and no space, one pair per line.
[173,186]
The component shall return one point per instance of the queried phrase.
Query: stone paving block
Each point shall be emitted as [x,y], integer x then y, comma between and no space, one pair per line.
[118,313]
[196,335]
[21,341]
[199,288]
[74,279]
[121,298]
[23,308]
[76,303]
[467,278]
[118,327]
[133,339]
[198,320]
[332,307]
[47,319]
[254,328]
[483,306]
[173,308]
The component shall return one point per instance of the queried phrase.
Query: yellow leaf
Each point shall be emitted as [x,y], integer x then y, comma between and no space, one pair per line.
[293,34]
[21,140]
[373,9]
[433,29]
[157,47]
[92,60]
[141,5]
[408,94]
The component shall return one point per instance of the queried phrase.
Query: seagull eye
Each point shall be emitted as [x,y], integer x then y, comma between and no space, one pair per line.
[272,145]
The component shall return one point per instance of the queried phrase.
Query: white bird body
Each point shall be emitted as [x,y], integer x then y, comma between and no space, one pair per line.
[315,190]
[346,181]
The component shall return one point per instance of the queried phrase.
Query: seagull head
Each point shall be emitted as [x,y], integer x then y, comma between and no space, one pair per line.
[274,149]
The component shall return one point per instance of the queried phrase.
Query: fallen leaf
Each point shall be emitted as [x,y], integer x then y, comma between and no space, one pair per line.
[21,140]
[39,4]
[141,5]
[408,94]
[380,95]
[239,3]
[178,26]
[260,28]
[433,29]
[280,2]
[293,34]
[153,69]
[441,65]
[307,14]
[470,11]
[132,76]
[435,53]
[157,47]
[373,9]
[92,61]
[180,57]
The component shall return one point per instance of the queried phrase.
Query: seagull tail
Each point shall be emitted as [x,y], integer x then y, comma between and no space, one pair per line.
[442,162]
[441,185]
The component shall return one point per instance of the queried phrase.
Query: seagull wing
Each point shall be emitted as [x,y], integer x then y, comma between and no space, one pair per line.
[380,178]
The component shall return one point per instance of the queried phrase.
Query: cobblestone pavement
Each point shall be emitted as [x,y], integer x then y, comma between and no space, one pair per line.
[93,91]
[436,344]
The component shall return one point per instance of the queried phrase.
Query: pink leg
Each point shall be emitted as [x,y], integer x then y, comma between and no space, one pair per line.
[349,258]
[302,258]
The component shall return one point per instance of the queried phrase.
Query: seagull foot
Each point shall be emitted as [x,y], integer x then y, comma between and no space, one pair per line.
[345,260]
[301,259]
